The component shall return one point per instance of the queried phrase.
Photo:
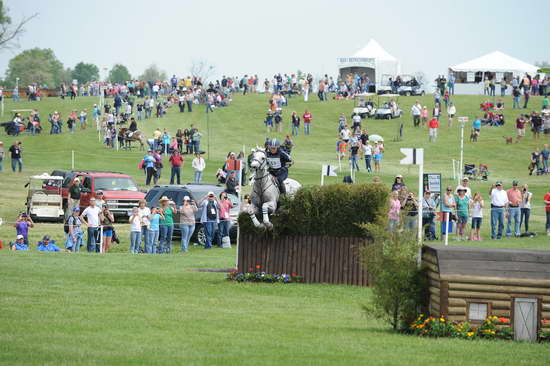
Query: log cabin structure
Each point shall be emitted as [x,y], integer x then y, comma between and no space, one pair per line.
[470,284]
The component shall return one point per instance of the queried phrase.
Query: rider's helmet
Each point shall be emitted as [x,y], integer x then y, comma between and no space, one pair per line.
[274,144]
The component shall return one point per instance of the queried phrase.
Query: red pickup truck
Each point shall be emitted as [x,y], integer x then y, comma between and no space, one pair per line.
[120,192]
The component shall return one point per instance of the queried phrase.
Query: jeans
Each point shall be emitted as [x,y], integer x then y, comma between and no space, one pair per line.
[91,245]
[175,173]
[198,176]
[295,130]
[145,238]
[135,241]
[223,226]
[514,213]
[150,173]
[354,165]
[16,163]
[152,237]
[525,214]
[1,164]
[429,228]
[410,223]
[74,245]
[306,128]
[497,218]
[165,241]
[186,234]
[516,103]
[367,163]
[209,228]
[547,221]
[189,106]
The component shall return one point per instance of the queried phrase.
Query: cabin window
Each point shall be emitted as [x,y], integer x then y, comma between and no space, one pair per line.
[478,311]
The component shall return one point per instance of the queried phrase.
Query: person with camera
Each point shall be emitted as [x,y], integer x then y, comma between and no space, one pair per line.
[225,220]
[187,222]
[107,221]
[210,216]
[74,231]
[91,217]
[429,206]
[16,156]
[22,225]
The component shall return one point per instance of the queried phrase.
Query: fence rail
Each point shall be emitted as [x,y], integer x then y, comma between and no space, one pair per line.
[319,259]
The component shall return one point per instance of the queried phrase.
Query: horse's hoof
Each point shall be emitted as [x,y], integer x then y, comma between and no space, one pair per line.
[268,225]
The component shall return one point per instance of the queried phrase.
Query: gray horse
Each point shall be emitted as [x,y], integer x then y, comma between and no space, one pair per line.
[265,193]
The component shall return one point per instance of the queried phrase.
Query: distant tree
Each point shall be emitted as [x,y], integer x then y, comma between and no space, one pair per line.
[36,66]
[202,69]
[153,73]
[119,74]
[9,31]
[84,72]
[542,64]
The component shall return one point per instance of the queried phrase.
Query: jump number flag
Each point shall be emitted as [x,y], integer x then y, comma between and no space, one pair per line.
[412,156]
[329,171]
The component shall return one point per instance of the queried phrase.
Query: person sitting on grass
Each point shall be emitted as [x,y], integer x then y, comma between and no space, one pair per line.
[19,243]
[47,245]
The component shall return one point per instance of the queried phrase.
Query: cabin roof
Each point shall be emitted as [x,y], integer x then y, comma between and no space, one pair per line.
[489,262]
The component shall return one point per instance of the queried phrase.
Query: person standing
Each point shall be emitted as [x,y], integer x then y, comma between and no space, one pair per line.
[525,207]
[75,191]
[135,231]
[410,208]
[166,229]
[158,165]
[547,209]
[516,95]
[225,219]
[1,156]
[354,155]
[499,202]
[448,205]
[394,213]
[367,153]
[433,125]
[22,225]
[199,165]
[196,140]
[295,122]
[307,121]
[210,217]
[476,206]
[176,161]
[153,230]
[416,111]
[462,206]
[187,222]
[107,221]
[16,156]
[74,236]
[514,211]
[451,112]
[149,167]
[91,217]
[464,185]
[544,154]
[428,215]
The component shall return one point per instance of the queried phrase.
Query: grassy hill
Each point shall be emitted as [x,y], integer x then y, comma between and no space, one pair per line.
[121,309]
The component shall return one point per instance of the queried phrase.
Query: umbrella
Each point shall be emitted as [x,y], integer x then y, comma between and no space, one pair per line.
[375,138]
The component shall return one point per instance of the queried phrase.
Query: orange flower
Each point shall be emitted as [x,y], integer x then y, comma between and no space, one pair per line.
[503,320]
[545,321]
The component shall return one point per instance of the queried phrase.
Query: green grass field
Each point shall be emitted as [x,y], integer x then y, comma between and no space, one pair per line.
[126,309]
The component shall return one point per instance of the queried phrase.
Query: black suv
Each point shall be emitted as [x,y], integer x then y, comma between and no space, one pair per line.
[196,192]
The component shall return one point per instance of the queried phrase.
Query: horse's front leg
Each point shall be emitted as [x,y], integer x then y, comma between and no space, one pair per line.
[265,212]
[252,212]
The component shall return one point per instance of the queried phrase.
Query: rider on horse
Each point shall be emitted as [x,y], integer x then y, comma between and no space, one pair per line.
[278,162]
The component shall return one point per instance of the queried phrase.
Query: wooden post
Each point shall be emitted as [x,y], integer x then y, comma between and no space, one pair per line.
[444,298]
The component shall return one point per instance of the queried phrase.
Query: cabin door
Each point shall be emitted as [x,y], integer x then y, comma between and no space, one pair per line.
[525,319]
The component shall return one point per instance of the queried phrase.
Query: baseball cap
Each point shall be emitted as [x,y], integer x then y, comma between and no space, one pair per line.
[515,183]
[46,237]
[186,198]
[498,183]
[210,193]
[20,237]
[99,192]
[466,179]
[76,208]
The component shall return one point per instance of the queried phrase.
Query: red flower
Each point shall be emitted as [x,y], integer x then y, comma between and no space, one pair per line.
[293,274]
[504,320]
[545,321]
[258,266]
[250,269]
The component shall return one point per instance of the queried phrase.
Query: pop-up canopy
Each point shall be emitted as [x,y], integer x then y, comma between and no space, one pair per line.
[492,65]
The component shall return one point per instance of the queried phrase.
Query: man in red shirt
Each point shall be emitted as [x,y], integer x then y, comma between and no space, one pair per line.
[176,161]
[433,125]
[514,212]
[307,121]
[520,127]
[547,206]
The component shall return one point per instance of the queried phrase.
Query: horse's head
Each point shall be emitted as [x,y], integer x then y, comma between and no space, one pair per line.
[258,160]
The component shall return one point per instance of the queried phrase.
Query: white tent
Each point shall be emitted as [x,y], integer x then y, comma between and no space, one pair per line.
[492,65]
[372,59]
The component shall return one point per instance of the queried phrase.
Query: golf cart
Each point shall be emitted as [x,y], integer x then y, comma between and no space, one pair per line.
[385,86]
[364,108]
[410,86]
[386,110]
[44,200]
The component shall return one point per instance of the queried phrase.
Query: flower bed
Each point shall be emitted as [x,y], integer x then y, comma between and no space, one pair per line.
[255,274]
[492,328]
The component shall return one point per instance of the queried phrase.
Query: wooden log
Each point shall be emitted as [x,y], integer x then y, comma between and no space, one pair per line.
[545,306]
[434,291]
[478,295]
[457,310]
[433,283]
[435,306]
[434,298]
[496,280]
[430,258]
[430,266]
[433,275]
[456,318]
[496,304]
[498,288]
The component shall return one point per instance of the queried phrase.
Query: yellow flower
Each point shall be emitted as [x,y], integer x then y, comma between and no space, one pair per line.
[442,319]
[470,334]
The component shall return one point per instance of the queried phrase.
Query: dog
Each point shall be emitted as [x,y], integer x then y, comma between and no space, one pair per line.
[509,140]
[473,135]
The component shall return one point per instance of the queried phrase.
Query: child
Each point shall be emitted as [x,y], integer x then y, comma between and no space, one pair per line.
[135,231]
[424,115]
[83,119]
[476,206]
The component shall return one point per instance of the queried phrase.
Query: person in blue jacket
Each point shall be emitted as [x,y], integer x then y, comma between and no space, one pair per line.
[19,243]
[47,245]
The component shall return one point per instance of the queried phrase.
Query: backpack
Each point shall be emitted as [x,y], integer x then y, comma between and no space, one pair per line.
[211,210]
[66,225]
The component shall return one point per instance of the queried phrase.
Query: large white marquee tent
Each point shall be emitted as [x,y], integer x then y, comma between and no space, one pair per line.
[495,65]
[373,60]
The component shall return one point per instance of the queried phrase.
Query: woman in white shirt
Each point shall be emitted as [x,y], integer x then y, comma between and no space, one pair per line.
[199,165]
[367,152]
[476,208]
[451,111]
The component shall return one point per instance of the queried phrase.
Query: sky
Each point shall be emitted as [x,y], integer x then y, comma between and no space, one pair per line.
[265,37]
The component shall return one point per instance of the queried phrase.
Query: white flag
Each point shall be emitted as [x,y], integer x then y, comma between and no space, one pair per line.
[329,171]
[412,156]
